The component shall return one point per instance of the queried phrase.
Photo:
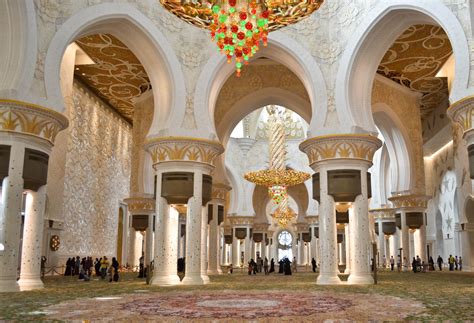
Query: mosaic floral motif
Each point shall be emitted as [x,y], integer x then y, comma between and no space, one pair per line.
[256,305]
[414,60]
[117,76]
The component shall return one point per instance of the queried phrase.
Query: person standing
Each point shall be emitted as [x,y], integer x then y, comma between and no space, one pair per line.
[313,264]
[456,263]
[272,266]
[293,265]
[440,263]
[384,262]
[265,266]
[392,263]
[431,263]
[451,262]
[141,272]
[104,265]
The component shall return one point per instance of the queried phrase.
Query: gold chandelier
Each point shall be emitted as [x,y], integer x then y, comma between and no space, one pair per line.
[239,26]
[277,178]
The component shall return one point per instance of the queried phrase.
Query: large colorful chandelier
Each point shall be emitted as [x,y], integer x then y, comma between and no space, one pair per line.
[277,178]
[239,27]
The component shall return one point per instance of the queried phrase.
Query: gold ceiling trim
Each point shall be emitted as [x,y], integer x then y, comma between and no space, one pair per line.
[117,76]
[415,58]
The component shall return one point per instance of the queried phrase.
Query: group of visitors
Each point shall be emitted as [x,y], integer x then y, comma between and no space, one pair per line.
[286,266]
[84,268]
[259,265]
[418,265]
[454,262]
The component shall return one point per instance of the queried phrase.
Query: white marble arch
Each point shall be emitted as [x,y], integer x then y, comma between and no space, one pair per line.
[400,150]
[282,49]
[258,99]
[19,48]
[370,41]
[145,40]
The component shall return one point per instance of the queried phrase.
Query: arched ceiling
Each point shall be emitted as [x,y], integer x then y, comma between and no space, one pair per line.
[117,76]
[413,61]
[260,74]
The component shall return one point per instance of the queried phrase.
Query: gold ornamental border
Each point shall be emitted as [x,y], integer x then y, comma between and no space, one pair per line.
[236,220]
[219,191]
[410,201]
[340,146]
[163,149]
[383,213]
[462,112]
[31,119]
[138,205]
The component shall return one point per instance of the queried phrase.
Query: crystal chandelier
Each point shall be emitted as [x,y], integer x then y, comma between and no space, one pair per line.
[277,178]
[239,26]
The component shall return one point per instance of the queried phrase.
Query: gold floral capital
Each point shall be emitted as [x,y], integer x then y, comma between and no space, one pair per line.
[302,227]
[31,119]
[219,191]
[383,213]
[340,146]
[462,113]
[240,220]
[410,201]
[140,205]
[165,149]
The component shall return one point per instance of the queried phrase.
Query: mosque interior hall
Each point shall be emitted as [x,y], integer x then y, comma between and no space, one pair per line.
[236,160]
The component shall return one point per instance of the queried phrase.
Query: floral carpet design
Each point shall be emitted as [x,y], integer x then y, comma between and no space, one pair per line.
[238,305]
[231,306]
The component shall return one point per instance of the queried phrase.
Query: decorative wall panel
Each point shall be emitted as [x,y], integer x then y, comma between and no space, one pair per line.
[97,176]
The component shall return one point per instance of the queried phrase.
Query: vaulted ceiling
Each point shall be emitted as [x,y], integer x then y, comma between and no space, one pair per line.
[413,61]
[117,76]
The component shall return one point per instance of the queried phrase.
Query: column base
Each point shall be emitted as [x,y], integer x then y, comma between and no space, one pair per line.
[194,279]
[30,284]
[360,279]
[9,286]
[165,280]
[214,272]
[205,278]
[328,279]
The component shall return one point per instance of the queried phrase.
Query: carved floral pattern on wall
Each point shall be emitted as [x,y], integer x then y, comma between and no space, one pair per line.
[97,176]
[118,77]
[414,60]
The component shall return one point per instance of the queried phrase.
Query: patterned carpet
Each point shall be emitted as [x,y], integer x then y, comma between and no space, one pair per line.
[233,305]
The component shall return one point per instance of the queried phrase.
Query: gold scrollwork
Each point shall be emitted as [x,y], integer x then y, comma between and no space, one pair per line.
[341,146]
[462,112]
[31,119]
[183,149]
[143,205]
[410,201]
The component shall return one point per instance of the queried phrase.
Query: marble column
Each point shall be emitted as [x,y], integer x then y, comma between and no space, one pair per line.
[328,269]
[214,243]
[194,235]
[422,242]
[166,240]
[235,250]
[348,248]
[381,242]
[387,249]
[30,275]
[254,250]
[149,242]
[404,240]
[10,220]
[360,253]
[247,248]
[132,258]
[263,248]
[301,249]
[343,252]
[411,234]
[204,245]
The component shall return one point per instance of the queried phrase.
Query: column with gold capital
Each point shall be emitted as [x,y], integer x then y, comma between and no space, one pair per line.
[27,135]
[341,164]
[185,165]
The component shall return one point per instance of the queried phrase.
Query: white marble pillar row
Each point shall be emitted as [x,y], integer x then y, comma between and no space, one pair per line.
[10,220]
[361,246]
[30,275]
[204,245]
[347,242]
[193,264]
[328,269]
[214,243]
[235,250]
[404,241]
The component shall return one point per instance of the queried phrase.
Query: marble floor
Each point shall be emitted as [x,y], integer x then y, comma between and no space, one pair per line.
[239,297]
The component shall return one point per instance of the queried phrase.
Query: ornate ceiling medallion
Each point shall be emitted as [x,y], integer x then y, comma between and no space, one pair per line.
[239,26]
